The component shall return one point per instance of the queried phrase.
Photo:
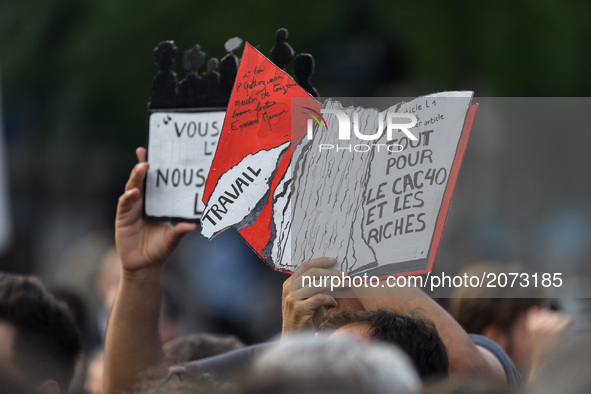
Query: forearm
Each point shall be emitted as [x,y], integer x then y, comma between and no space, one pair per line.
[464,357]
[132,343]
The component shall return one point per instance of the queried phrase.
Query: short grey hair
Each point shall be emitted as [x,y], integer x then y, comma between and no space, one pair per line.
[336,365]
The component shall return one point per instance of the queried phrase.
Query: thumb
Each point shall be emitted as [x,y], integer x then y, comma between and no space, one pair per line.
[173,235]
[320,300]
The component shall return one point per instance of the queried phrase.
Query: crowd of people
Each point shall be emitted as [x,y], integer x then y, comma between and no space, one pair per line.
[361,340]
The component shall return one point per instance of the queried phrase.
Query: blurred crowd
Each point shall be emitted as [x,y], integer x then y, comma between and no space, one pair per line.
[199,316]
[385,340]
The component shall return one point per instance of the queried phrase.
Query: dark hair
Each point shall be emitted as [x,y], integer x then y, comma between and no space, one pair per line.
[475,314]
[176,380]
[47,342]
[413,333]
[475,308]
[197,346]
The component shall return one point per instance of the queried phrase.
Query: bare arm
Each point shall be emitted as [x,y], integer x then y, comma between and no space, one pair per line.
[132,343]
[303,307]
[465,358]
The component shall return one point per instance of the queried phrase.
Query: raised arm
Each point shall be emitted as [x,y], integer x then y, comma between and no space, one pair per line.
[303,308]
[132,342]
[465,358]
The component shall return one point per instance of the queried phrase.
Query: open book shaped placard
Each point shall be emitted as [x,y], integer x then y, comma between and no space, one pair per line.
[275,180]
[378,205]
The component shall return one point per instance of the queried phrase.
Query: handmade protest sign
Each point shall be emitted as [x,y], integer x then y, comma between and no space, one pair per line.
[253,152]
[181,146]
[378,190]
[379,212]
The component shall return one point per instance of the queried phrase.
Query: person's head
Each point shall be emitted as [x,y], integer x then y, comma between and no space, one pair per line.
[197,346]
[413,333]
[489,312]
[301,363]
[39,339]
[11,384]
[177,381]
[501,319]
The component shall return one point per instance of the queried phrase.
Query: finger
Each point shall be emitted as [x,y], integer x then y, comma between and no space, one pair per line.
[318,278]
[300,314]
[328,302]
[318,316]
[126,201]
[184,228]
[286,287]
[323,300]
[309,306]
[173,235]
[534,309]
[141,154]
[136,178]
[306,292]
[311,291]
[558,320]
[321,262]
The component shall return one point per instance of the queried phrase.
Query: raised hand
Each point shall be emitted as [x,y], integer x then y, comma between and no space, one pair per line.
[142,244]
[132,343]
[303,306]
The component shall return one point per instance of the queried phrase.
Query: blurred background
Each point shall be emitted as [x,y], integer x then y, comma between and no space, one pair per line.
[75,79]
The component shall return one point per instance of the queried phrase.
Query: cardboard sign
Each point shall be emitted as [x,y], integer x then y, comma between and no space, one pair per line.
[181,147]
[379,213]
[253,152]
[378,205]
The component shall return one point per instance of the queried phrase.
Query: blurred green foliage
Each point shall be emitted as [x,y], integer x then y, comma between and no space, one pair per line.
[82,69]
